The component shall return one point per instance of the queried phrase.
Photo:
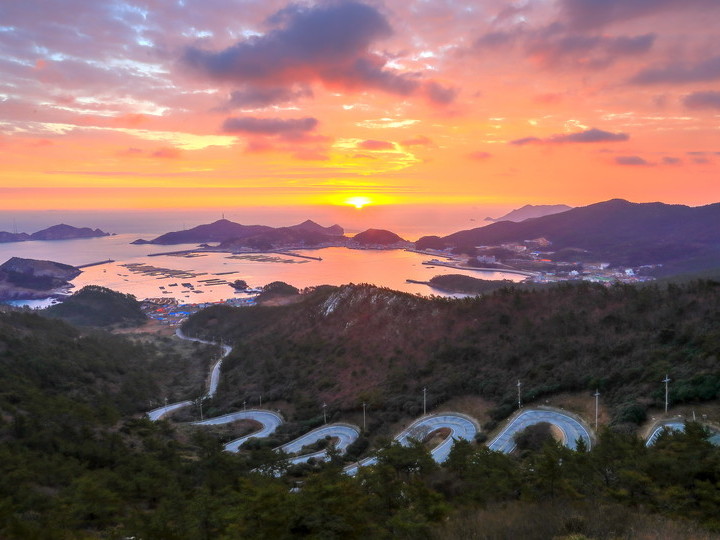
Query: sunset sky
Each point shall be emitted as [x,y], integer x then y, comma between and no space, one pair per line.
[208,103]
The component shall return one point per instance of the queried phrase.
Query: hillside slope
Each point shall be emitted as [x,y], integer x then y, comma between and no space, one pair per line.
[98,306]
[352,344]
[619,232]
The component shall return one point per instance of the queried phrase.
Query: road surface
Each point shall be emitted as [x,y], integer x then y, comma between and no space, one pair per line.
[157,414]
[571,429]
[215,373]
[460,426]
[344,434]
[269,421]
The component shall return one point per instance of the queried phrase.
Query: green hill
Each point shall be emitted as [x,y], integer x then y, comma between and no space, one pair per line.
[97,306]
[77,460]
[352,344]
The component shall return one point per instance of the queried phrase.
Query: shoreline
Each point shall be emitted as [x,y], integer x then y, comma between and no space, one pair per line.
[472,268]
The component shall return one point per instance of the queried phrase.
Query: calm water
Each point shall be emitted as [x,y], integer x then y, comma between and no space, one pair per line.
[409,221]
[387,268]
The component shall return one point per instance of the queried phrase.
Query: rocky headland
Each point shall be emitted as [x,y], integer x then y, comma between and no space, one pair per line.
[27,279]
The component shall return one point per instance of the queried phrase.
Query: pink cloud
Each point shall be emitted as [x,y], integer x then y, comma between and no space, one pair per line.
[167,153]
[376,145]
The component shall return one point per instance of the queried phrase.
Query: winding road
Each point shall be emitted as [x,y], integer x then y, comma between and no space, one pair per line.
[157,414]
[267,419]
[460,427]
[343,435]
[572,430]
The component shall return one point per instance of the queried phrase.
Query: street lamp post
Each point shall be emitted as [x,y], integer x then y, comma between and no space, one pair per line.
[519,384]
[261,401]
[666,380]
[364,404]
[244,406]
[597,395]
[324,406]
[424,401]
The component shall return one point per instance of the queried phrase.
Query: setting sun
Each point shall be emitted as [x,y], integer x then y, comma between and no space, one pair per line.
[358,202]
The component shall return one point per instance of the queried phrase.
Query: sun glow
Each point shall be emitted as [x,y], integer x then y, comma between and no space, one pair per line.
[358,202]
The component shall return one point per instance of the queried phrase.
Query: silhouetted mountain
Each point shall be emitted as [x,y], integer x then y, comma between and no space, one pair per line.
[13,237]
[379,237]
[532,211]
[67,232]
[218,231]
[224,231]
[311,226]
[296,236]
[619,232]
[56,232]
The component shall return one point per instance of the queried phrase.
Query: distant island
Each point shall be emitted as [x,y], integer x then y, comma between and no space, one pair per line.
[379,238]
[27,279]
[234,235]
[530,211]
[56,232]
[459,283]
[231,236]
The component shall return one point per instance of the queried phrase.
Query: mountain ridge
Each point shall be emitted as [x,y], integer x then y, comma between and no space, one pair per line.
[531,211]
[224,230]
[617,231]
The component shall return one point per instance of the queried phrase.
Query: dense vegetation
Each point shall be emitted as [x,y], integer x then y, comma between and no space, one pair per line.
[352,344]
[78,460]
[74,465]
[98,306]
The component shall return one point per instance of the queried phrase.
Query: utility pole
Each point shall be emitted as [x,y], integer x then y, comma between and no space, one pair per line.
[597,395]
[424,400]
[364,416]
[324,406]
[666,380]
[519,384]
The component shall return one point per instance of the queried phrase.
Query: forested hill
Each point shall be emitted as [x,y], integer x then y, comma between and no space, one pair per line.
[78,460]
[619,232]
[352,344]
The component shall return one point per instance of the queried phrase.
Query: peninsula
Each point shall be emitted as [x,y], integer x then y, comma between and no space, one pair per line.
[28,279]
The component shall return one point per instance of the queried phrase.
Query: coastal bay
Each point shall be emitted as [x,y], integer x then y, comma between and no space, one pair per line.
[206,271]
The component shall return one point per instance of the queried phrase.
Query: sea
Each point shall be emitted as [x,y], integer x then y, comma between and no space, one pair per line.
[152,271]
